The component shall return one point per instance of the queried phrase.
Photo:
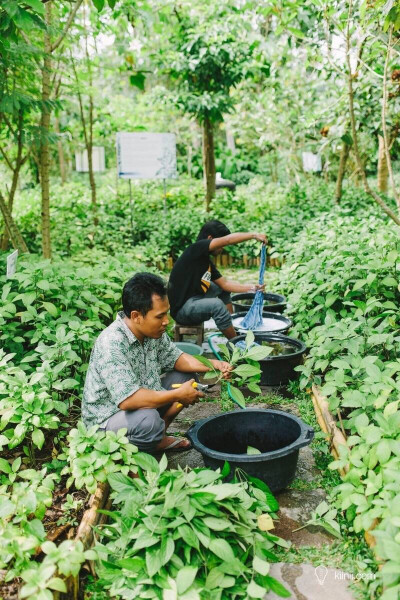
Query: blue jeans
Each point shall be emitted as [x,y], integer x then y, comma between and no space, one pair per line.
[206,306]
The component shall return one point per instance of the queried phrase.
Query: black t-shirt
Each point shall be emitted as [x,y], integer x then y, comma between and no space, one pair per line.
[191,275]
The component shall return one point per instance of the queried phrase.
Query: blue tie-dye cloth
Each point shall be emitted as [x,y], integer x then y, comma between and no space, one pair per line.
[254,318]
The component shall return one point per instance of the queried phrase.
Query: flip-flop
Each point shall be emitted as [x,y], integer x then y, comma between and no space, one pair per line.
[174,446]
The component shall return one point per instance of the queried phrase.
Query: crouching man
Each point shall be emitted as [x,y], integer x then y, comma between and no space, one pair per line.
[133,366]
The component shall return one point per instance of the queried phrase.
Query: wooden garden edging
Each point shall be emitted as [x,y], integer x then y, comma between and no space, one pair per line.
[91,518]
[337,437]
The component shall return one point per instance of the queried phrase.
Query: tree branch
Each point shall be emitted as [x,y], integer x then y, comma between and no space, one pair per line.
[6,158]
[67,25]
[384,128]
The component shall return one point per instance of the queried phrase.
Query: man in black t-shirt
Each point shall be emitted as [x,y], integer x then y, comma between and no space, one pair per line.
[196,290]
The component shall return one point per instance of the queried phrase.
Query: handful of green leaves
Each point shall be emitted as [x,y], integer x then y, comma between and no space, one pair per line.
[246,367]
[187,535]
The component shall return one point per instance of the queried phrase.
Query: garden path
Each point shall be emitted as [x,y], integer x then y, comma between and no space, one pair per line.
[304,580]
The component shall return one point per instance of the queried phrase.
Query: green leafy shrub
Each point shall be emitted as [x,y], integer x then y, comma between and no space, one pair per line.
[182,535]
[93,454]
[342,280]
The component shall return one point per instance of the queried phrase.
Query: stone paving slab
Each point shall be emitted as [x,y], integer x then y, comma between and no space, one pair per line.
[295,508]
[306,582]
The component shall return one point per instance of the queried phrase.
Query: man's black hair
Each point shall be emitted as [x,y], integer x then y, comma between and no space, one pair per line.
[138,291]
[214,228]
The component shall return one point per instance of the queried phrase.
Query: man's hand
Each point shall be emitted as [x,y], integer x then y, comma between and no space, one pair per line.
[261,237]
[256,288]
[224,367]
[187,394]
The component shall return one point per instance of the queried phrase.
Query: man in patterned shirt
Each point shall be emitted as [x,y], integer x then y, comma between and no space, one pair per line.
[124,386]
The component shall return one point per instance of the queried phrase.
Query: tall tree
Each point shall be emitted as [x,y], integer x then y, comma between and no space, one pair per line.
[207,51]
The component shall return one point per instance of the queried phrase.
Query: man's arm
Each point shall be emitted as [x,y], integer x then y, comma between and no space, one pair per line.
[232,286]
[236,238]
[186,394]
[189,364]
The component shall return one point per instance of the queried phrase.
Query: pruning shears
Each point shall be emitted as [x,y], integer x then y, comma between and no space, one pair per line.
[202,387]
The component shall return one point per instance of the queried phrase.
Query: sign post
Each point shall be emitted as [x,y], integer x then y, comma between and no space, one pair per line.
[12,263]
[142,155]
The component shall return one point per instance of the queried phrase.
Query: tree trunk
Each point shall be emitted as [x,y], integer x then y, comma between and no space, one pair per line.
[13,232]
[344,155]
[16,170]
[44,142]
[61,157]
[208,161]
[90,163]
[383,171]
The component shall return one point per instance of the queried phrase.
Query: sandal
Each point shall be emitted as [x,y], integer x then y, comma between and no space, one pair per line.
[175,447]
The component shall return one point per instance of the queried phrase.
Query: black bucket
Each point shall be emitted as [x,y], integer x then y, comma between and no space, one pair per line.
[278,435]
[278,370]
[283,324]
[272,302]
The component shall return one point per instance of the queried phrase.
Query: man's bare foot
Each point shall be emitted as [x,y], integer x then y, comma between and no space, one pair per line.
[168,441]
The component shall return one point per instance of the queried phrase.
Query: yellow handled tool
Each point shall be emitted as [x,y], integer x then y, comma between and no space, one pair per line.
[200,386]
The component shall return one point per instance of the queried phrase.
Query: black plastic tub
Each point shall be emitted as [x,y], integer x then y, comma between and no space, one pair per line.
[272,302]
[283,324]
[278,435]
[278,370]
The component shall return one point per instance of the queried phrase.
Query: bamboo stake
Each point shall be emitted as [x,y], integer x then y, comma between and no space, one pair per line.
[336,438]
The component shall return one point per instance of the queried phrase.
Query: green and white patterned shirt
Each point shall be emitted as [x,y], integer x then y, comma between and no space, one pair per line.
[119,366]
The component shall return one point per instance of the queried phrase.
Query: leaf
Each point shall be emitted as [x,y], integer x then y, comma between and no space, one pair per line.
[5,466]
[226,469]
[185,578]
[167,549]
[265,522]
[51,308]
[249,338]
[245,371]
[55,583]
[251,450]
[261,566]
[205,361]
[237,396]
[255,591]
[259,352]
[6,507]
[99,4]
[147,462]
[137,79]
[38,438]
[277,587]
[297,32]
[222,549]
[217,524]
[347,139]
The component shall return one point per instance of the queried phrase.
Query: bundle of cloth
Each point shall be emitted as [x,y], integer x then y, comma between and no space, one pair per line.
[254,318]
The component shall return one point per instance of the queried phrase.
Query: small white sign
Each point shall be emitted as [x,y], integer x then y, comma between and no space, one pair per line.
[98,160]
[142,155]
[12,263]
[311,162]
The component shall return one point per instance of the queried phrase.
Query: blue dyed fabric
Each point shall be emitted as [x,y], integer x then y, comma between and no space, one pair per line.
[254,318]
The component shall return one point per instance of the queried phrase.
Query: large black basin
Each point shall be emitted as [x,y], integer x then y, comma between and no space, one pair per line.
[272,302]
[278,436]
[278,370]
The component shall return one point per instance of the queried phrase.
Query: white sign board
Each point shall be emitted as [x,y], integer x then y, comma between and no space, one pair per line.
[142,155]
[98,159]
[311,162]
[12,263]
